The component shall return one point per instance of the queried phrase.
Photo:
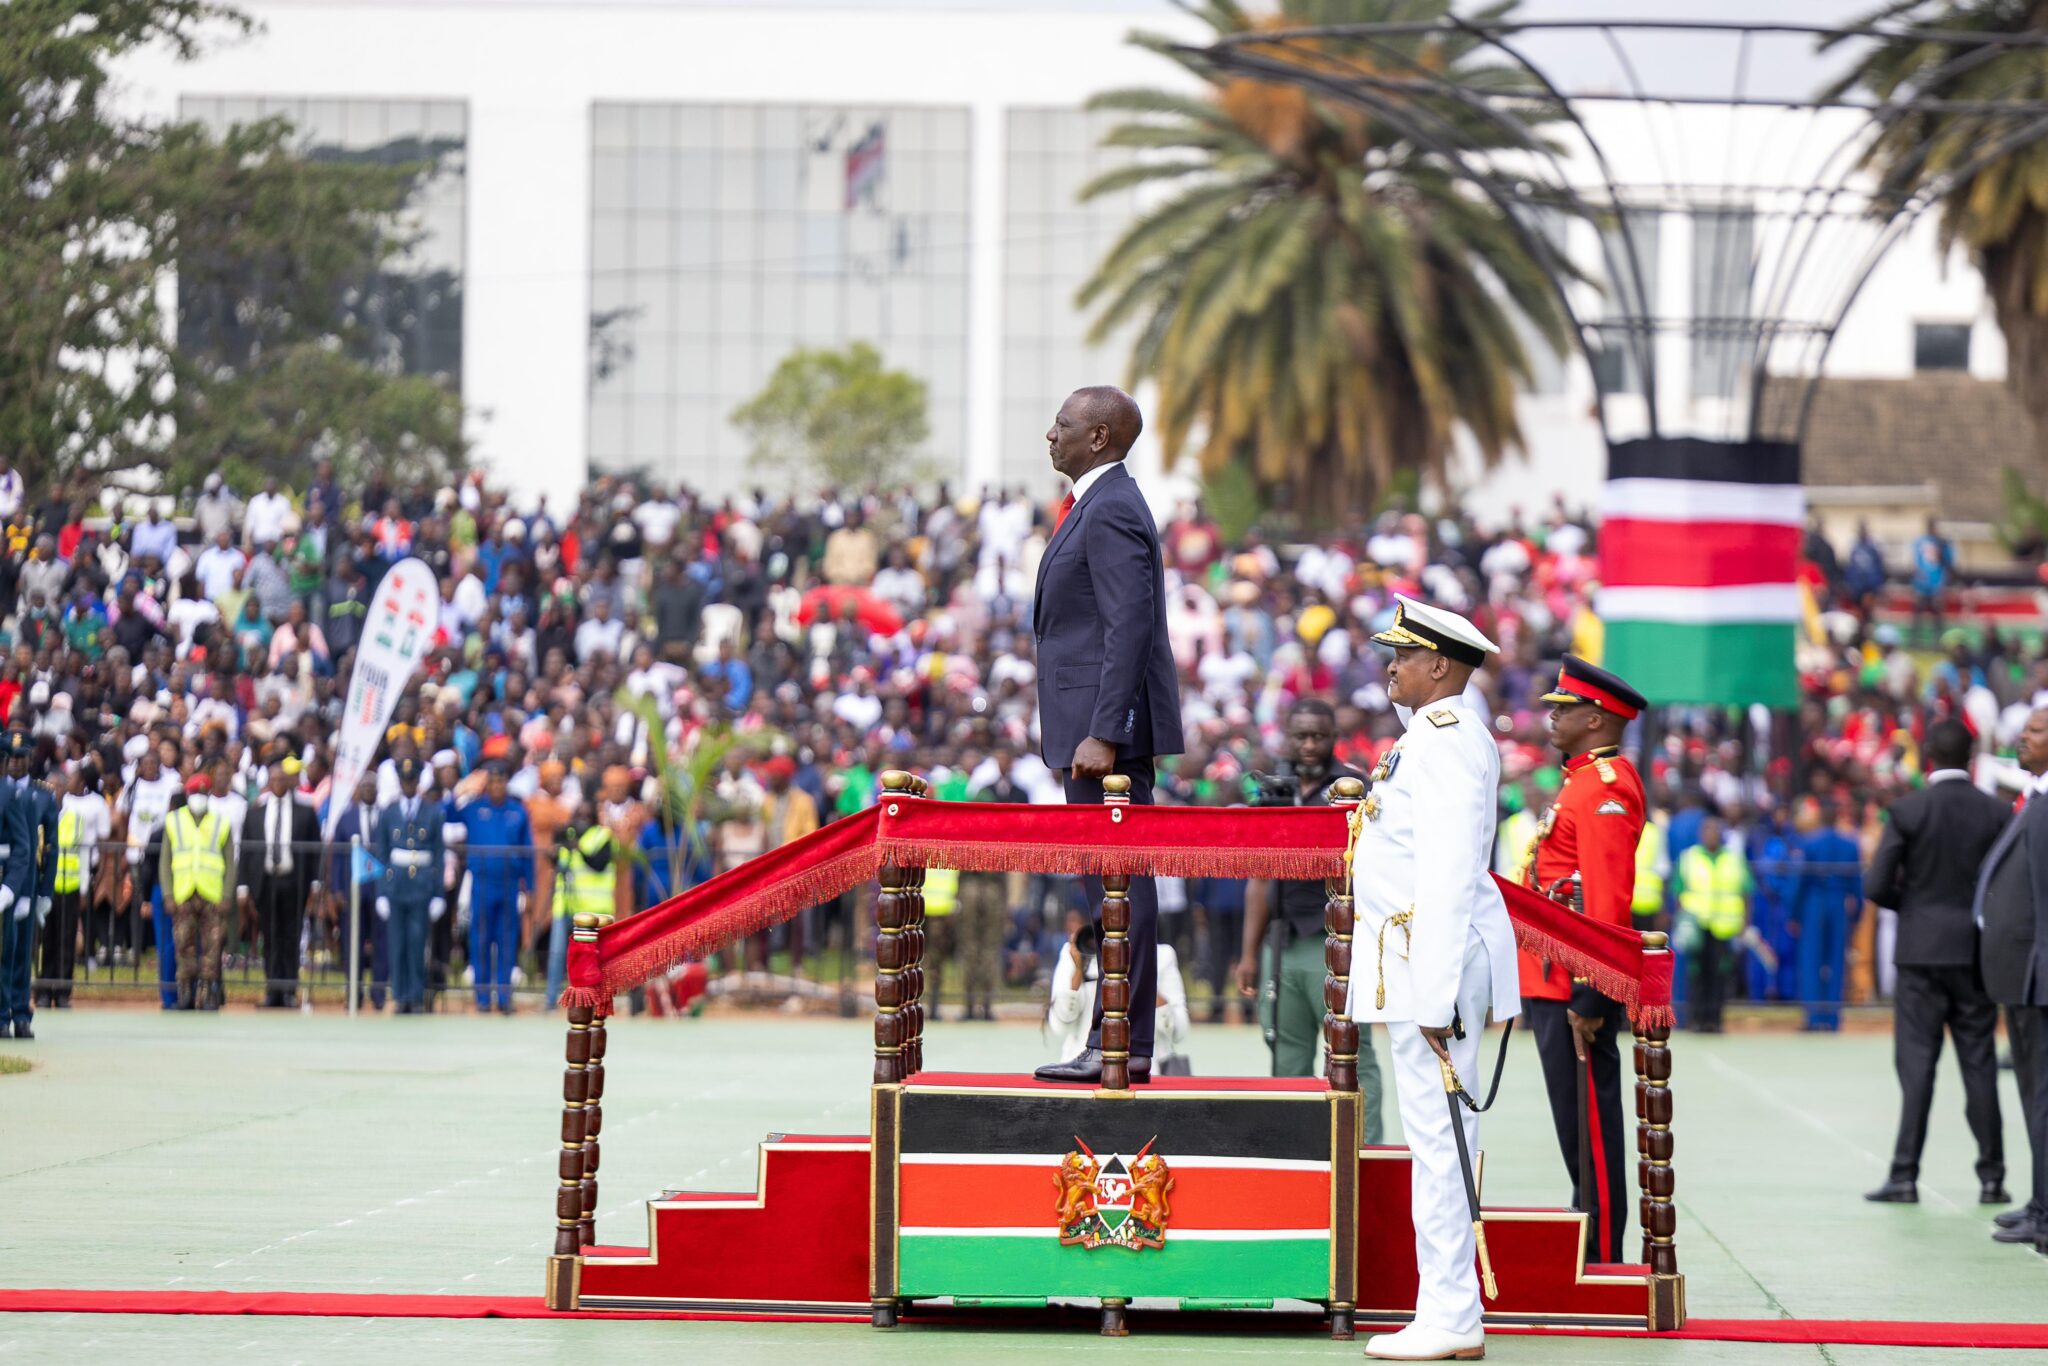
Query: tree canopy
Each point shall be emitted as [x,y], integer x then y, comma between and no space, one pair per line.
[840,417]
[1315,296]
[113,223]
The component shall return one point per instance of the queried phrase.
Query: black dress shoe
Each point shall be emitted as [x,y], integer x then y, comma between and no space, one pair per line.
[2012,1218]
[1087,1068]
[1896,1193]
[22,1031]
[2027,1231]
[1993,1193]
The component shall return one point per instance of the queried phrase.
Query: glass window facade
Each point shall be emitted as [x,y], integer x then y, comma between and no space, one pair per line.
[411,311]
[725,236]
[1051,245]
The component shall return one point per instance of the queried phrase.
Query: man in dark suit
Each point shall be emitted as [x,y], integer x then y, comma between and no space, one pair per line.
[1935,841]
[280,850]
[373,954]
[1108,697]
[2012,913]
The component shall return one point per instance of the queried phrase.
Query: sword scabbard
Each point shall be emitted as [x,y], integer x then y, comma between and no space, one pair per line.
[1485,1261]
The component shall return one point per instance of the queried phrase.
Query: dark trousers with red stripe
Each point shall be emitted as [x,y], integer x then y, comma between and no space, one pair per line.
[1565,1076]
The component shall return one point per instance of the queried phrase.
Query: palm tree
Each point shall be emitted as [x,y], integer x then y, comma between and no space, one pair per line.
[1999,213]
[1318,297]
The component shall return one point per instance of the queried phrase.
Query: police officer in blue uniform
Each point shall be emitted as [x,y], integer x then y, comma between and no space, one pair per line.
[500,871]
[20,829]
[409,896]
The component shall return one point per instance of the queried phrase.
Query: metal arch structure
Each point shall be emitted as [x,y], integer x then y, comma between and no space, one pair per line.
[1819,228]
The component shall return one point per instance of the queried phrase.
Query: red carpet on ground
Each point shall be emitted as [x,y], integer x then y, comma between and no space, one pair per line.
[1844,1332]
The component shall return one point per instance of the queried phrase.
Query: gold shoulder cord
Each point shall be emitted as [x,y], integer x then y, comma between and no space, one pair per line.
[1379,996]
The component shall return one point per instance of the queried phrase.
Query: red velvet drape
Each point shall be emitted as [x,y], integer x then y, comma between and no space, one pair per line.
[994,837]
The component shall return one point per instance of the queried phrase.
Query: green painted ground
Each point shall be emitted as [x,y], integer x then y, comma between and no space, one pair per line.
[295,1152]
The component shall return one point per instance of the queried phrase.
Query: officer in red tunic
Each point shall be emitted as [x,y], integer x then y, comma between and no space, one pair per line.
[1585,854]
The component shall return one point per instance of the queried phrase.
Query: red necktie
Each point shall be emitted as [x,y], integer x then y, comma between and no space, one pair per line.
[1066,506]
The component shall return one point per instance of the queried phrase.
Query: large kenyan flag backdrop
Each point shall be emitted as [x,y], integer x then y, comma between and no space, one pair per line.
[1699,549]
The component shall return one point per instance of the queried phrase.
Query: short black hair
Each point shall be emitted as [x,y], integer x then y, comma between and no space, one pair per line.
[1313,706]
[1948,744]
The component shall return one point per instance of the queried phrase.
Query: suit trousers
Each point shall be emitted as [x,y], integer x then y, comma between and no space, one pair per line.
[60,948]
[2022,1030]
[1713,962]
[280,914]
[1447,1292]
[1144,911]
[1564,1076]
[373,952]
[2036,1091]
[409,952]
[1928,1001]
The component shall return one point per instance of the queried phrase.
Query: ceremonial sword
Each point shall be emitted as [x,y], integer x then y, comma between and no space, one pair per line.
[1454,1095]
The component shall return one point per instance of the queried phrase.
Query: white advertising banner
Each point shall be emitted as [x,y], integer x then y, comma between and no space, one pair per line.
[398,630]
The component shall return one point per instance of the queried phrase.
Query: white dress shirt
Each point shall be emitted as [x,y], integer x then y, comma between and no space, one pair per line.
[1090,480]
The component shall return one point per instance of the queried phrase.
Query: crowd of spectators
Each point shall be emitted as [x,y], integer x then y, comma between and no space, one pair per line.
[709,677]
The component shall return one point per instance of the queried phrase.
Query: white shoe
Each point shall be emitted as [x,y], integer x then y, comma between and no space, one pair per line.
[1419,1342]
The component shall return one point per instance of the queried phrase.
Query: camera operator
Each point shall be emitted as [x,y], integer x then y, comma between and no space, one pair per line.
[1074,981]
[1291,965]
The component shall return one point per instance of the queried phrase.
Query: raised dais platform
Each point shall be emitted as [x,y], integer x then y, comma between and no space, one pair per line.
[997,1192]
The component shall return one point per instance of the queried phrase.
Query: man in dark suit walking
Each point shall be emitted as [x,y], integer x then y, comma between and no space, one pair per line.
[1935,841]
[1108,697]
[2012,914]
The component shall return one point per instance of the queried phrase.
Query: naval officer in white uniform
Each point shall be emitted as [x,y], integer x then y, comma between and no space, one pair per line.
[1433,941]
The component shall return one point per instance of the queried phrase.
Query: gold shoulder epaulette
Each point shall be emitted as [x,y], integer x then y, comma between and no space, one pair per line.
[1607,773]
[1443,716]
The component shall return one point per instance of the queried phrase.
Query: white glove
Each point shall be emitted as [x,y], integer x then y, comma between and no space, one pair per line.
[43,904]
[437,908]
[383,908]
[6,898]
[22,906]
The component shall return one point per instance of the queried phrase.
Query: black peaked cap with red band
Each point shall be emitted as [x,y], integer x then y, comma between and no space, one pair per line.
[1579,681]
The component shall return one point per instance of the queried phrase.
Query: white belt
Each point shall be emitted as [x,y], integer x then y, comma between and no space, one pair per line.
[411,858]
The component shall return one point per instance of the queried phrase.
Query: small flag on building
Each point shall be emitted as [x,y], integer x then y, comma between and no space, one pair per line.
[1699,553]
[865,162]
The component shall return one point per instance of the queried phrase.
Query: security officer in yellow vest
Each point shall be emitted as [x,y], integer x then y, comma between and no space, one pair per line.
[1653,867]
[199,886]
[1714,888]
[68,890]
[586,871]
[408,843]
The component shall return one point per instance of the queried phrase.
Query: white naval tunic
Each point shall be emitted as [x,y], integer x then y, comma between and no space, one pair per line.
[1426,848]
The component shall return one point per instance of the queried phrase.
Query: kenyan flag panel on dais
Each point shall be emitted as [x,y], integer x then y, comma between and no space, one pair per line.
[1052,1195]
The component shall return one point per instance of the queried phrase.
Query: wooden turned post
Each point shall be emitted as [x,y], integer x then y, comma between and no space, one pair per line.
[1657,1210]
[914,931]
[1113,1325]
[1116,973]
[1340,1032]
[894,956]
[593,1117]
[561,1280]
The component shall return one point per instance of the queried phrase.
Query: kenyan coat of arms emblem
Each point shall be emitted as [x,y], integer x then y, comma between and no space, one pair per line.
[1111,1202]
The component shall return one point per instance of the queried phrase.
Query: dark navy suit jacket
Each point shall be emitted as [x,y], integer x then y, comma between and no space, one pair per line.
[1105,665]
[2012,906]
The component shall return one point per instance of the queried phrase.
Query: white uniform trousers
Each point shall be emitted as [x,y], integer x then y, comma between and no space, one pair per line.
[1446,1258]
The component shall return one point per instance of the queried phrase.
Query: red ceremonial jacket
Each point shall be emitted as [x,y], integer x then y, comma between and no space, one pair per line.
[1592,829]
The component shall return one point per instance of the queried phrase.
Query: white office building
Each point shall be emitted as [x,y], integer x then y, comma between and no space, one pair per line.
[643,205]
